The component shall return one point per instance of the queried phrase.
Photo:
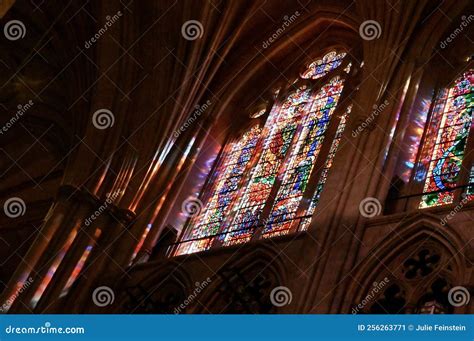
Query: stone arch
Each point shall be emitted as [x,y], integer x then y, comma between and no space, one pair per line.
[412,268]
[244,284]
[160,293]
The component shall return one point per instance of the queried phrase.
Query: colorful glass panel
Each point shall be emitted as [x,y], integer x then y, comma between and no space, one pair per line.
[298,168]
[448,152]
[430,136]
[279,131]
[322,67]
[225,185]
[324,173]
[272,194]
[469,195]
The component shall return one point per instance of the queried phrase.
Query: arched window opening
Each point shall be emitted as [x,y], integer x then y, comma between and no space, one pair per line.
[280,192]
[224,185]
[420,280]
[303,158]
[443,154]
[323,66]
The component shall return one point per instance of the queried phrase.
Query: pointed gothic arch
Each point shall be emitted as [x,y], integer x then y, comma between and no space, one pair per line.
[413,273]
[244,285]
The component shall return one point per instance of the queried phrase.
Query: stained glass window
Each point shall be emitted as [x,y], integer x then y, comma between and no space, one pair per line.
[270,198]
[226,181]
[301,123]
[430,136]
[470,189]
[303,158]
[321,67]
[324,173]
[279,131]
[453,124]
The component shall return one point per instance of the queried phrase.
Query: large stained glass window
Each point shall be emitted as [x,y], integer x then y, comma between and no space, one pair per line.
[452,120]
[279,131]
[280,192]
[298,168]
[225,183]
[306,216]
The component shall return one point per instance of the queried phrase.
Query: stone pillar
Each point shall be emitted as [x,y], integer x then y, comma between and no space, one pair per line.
[62,209]
[114,222]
